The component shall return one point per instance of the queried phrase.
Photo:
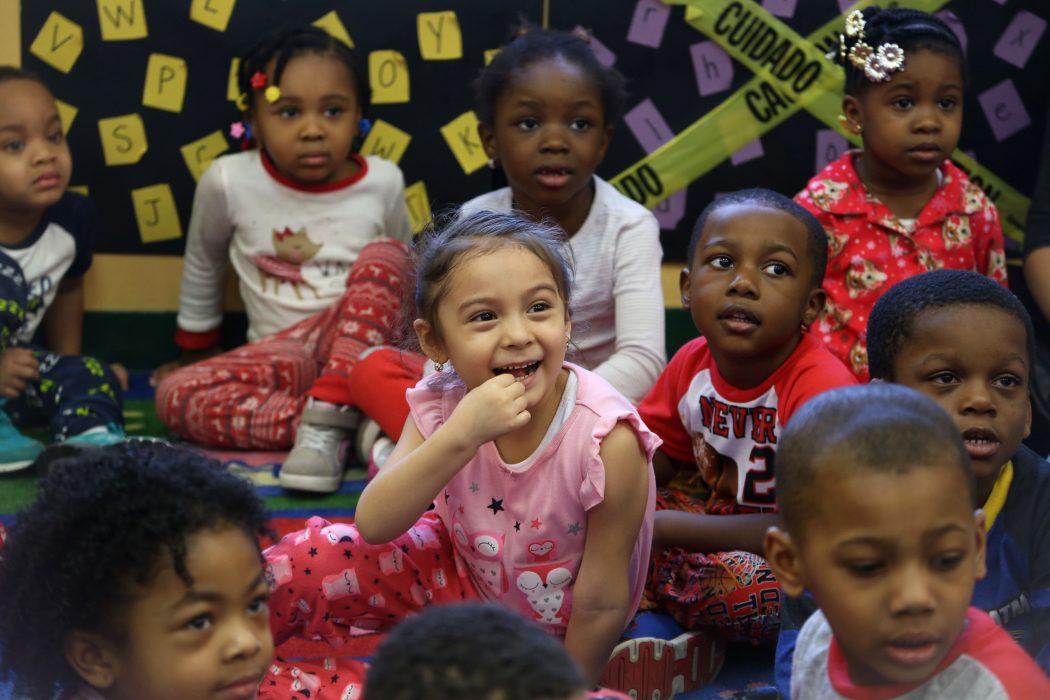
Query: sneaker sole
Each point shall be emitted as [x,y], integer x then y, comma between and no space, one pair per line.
[657,669]
[310,482]
[16,465]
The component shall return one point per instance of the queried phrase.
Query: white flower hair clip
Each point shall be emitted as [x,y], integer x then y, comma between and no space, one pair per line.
[877,64]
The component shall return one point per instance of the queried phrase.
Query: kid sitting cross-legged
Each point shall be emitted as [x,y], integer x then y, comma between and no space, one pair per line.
[547,109]
[518,478]
[314,232]
[878,503]
[756,260]
[136,574]
[46,240]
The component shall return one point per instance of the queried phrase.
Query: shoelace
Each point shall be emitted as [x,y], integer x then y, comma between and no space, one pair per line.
[322,438]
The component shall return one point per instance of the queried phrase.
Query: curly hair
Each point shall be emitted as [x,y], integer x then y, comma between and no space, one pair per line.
[471,651]
[533,45]
[104,523]
[912,30]
[892,318]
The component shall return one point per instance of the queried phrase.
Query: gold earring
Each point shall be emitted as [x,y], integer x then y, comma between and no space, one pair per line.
[492,163]
[439,366]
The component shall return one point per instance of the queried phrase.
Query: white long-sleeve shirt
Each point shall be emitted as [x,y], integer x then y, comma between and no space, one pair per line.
[291,245]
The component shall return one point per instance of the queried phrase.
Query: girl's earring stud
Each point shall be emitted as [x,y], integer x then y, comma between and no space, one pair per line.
[848,125]
[439,366]
[492,163]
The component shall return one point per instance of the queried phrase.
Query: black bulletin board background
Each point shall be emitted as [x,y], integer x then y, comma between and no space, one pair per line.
[107,80]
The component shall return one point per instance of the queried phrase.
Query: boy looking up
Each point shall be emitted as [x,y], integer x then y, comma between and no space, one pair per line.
[753,287]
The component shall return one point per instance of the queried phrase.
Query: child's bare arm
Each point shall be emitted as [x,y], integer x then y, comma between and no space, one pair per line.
[418,469]
[64,321]
[601,594]
[665,467]
[711,533]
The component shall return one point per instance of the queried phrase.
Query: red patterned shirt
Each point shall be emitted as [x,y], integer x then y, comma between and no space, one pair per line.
[870,249]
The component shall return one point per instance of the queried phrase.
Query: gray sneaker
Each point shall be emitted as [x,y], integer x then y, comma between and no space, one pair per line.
[318,458]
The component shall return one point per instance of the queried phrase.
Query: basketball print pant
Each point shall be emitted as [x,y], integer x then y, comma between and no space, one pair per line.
[734,594]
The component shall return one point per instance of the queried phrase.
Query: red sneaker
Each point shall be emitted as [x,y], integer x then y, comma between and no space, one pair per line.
[656,669]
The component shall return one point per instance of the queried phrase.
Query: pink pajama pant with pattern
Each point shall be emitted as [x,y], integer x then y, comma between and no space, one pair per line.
[252,397]
[327,583]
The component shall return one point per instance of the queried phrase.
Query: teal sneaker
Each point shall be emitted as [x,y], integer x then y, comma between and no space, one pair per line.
[99,436]
[16,450]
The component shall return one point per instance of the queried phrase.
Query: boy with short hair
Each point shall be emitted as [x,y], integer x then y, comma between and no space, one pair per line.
[878,499]
[968,343]
[922,334]
[46,242]
[753,286]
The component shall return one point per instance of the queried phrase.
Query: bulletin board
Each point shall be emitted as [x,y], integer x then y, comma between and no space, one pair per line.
[144,87]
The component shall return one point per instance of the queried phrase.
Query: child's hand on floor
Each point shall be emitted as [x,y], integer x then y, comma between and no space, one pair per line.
[17,367]
[188,357]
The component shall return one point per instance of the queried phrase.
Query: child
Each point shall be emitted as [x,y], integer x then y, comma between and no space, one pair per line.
[921,334]
[899,207]
[546,108]
[474,651]
[538,470]
[982,380]
[756,260]
[302,220]
[46,239]
[136,574]
[877,498]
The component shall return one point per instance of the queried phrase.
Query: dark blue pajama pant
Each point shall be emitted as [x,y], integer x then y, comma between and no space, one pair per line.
[74,393]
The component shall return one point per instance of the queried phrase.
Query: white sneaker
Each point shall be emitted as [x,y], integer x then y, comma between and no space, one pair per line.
[367,434]
[318,458]
[380,451]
